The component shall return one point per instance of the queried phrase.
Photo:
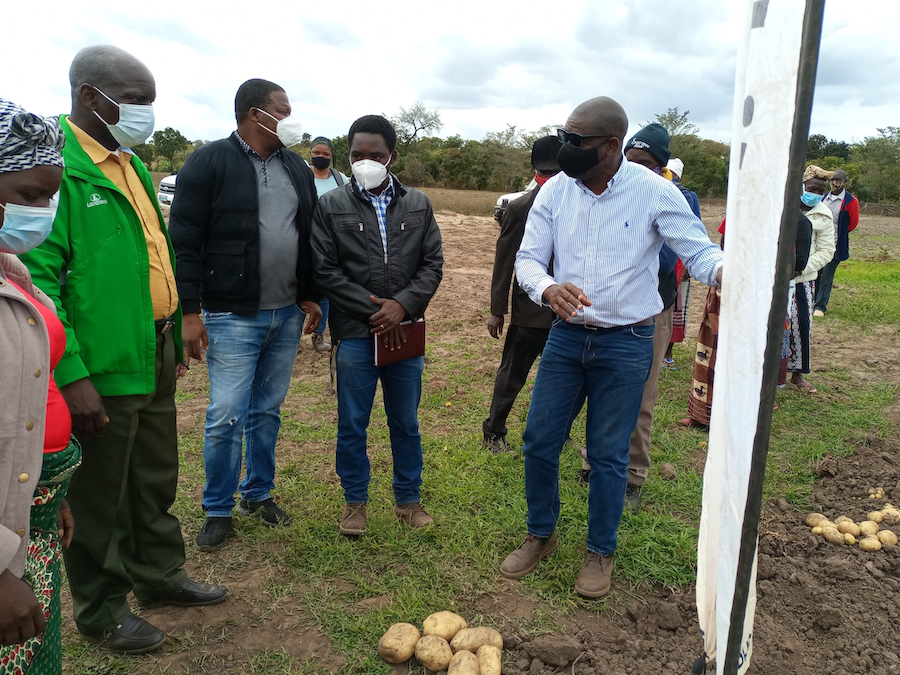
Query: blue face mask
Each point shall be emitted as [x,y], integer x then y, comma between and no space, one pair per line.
[25,227]
[810,198]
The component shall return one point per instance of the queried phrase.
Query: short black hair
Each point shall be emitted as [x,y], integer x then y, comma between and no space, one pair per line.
[253,93]
[374,124]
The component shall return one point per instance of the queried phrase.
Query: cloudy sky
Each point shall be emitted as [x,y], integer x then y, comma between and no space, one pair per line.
[483,64]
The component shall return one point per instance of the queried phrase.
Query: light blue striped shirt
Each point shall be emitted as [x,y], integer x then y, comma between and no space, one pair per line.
[608,244]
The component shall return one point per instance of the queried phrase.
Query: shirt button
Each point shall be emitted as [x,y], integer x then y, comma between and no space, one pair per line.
[21,532]
[29,426]
[23,477]
[31,321]
[37,373]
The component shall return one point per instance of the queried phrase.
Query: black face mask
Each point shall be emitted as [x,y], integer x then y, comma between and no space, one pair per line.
[321,162]
[577,162]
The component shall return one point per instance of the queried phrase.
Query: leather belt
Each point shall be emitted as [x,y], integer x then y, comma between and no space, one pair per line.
[163,325]
[646,322]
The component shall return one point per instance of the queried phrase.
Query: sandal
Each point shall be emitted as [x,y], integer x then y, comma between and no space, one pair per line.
[691,422]
[670,364]
[805,385]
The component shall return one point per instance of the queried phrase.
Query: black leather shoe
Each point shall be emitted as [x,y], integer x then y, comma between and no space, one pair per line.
[132,635]
[189,594]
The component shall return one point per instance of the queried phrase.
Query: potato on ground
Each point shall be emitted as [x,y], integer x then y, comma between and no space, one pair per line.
[399,643]
[490,660]
[814,519]
[848,527]
[471,639]
[463,662]
[870,543]
[444,624]
[434,652]
[833,536]
[887,538]
[875,516]
[868,527]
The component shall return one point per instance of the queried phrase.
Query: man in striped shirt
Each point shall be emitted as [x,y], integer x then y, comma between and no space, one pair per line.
[603,221]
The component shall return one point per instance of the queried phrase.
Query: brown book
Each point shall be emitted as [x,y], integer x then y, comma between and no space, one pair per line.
[413,347]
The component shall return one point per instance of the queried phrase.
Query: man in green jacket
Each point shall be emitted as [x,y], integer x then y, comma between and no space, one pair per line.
[109,267]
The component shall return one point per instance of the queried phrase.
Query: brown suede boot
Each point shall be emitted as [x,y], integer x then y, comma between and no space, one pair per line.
[414,515]
[525,559]
[353,519]
[595,578]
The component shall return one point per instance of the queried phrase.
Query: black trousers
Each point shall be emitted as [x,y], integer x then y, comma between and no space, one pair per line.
[522,347]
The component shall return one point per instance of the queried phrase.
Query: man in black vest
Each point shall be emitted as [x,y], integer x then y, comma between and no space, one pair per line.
[530,324]
[240,226]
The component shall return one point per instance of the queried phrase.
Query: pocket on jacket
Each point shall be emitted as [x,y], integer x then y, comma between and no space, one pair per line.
[412,220]
[226,268]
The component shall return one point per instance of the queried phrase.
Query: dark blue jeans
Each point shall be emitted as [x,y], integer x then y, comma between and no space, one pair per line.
[250,363]
[608,368]
[401,383]
[323,305]
[824,283]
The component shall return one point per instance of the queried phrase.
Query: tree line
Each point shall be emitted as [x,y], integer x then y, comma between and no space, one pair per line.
[501,161]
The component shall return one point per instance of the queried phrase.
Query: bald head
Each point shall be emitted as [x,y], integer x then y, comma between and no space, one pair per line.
[601,115]
[103,66]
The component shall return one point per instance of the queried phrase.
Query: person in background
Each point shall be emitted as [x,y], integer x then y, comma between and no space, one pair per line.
[327,178]
[700,397]
[845,209]
[120,309]
[378,257]
[38,454]
[683,296]
[529,324]
[821,251]
[603,225]
[250,271]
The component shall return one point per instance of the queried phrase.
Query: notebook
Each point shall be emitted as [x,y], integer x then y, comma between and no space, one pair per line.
[413,347]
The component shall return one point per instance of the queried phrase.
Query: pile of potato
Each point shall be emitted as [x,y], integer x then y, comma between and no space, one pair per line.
[868,533]
[874,493]
[446,643]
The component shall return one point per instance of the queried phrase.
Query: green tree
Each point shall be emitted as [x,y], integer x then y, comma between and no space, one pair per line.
[818,146]
[146,152]
[676,123]
[415,120]
[171,145]
[878,158]
[530,137]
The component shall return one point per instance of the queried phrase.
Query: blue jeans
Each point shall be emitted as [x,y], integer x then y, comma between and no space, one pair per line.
[323,305]
[824,283]
[250,362]
[401,382]
[608,368]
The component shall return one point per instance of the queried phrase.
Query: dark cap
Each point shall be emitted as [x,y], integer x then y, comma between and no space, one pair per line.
[544,152]
[654,139]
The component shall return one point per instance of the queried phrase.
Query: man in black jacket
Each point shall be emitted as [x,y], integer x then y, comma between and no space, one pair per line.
[529,324]
[378,258]
[240,227]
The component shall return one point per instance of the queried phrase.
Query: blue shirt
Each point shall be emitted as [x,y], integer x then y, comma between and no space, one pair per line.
[608,245]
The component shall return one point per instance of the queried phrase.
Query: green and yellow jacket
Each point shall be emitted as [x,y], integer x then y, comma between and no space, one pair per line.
[95,267]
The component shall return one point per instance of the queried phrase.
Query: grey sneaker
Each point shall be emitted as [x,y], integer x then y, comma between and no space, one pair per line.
[320,344]
[633,497]
[272,514]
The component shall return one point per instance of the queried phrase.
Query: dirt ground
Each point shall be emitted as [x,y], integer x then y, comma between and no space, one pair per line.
[821,608]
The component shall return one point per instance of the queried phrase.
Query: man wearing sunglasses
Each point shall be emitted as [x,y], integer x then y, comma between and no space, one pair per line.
[604,224]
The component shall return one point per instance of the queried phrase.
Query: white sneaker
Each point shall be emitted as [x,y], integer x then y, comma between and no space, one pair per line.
[818,312]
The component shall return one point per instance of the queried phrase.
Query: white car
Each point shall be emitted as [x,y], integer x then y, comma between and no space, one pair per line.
[500,207]
[167,190]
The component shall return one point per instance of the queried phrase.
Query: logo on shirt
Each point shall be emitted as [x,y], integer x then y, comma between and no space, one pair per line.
[96,200]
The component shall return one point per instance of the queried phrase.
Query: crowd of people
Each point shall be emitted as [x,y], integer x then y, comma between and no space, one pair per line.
[105,306]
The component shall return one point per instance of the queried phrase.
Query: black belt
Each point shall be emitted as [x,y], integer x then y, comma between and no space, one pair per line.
[646,322]
[163,325]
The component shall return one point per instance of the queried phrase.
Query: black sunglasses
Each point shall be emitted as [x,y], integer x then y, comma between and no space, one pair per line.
[575,140]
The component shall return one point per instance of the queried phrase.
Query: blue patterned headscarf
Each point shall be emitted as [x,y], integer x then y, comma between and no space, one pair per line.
[28,140]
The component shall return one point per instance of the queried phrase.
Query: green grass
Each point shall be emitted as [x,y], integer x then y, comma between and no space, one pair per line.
[478,501]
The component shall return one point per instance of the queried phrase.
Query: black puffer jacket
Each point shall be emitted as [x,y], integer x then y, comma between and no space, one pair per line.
[214,228]
[351,265]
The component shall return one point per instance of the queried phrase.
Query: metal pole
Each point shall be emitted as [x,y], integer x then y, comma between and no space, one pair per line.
[735,654]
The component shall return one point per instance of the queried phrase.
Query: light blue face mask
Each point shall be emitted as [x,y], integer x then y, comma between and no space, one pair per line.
[25,227]
[810,198]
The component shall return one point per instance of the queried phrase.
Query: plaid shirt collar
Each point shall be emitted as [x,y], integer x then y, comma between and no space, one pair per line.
[265,162]
[386,195]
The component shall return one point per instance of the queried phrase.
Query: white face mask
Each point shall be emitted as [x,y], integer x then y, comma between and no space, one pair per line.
[135,123]
[287,129]
[369,173]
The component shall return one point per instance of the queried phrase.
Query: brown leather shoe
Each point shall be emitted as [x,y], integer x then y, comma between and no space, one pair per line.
[525,559]
[353,519]
[414,515]
[595,578]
